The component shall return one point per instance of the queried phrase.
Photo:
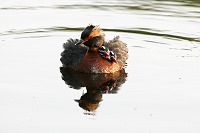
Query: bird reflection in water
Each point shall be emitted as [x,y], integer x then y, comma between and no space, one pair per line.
[96,85]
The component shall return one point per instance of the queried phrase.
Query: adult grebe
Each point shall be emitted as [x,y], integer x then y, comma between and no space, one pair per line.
[92,54]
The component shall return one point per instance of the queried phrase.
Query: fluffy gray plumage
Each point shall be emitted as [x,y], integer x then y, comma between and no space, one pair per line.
[73,54]
[119,48]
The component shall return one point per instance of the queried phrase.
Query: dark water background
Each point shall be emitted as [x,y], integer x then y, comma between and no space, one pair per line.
[160,92]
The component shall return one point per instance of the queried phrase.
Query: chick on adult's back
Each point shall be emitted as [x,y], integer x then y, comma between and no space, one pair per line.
[92,54]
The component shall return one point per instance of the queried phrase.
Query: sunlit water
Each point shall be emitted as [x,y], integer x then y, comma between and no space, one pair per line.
[160,92]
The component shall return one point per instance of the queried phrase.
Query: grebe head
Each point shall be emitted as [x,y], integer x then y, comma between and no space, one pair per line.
[93,36]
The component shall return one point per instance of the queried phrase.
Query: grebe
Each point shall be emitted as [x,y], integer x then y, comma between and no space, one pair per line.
[92,54]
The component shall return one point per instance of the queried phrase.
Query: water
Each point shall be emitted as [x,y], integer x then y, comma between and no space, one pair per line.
[160,92]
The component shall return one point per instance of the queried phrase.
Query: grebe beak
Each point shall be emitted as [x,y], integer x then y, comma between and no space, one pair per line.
[80,42]
[78,101]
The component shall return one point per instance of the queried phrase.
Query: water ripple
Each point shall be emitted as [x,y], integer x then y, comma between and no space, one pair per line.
[143,31]
[188,8]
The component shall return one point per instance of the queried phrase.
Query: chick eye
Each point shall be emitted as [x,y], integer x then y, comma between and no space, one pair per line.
[103,48]
[112,53]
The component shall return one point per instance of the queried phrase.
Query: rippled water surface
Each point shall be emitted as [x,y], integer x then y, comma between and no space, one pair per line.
[158,92]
